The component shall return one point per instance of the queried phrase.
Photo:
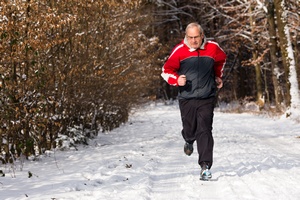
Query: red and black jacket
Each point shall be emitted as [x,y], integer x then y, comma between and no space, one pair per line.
[200,66]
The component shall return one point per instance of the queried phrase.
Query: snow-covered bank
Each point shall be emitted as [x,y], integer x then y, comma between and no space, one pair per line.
[254,158]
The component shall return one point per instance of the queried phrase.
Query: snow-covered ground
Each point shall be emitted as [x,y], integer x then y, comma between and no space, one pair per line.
[255,157]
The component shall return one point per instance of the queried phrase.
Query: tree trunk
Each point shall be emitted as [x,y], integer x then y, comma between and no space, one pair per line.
[273,51]
[258,74]
[292,94]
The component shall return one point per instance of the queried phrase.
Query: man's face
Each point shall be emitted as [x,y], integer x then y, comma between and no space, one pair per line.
[194,37]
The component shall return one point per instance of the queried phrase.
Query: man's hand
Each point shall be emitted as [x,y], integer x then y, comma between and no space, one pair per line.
[219,82]
[181,80]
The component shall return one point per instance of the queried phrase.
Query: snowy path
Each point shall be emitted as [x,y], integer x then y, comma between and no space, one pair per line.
[254,158]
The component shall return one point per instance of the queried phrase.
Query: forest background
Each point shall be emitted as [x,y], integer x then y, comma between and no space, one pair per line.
[72,68]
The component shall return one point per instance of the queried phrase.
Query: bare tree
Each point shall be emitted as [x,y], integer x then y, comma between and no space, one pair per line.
[244,29]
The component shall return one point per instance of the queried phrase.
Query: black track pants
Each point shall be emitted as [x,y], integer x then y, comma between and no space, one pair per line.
[197,118]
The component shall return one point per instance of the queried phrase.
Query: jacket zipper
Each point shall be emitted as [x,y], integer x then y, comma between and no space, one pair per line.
[199,81]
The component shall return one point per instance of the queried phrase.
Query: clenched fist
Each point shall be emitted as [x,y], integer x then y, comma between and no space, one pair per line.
[219,82]
[181,80]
